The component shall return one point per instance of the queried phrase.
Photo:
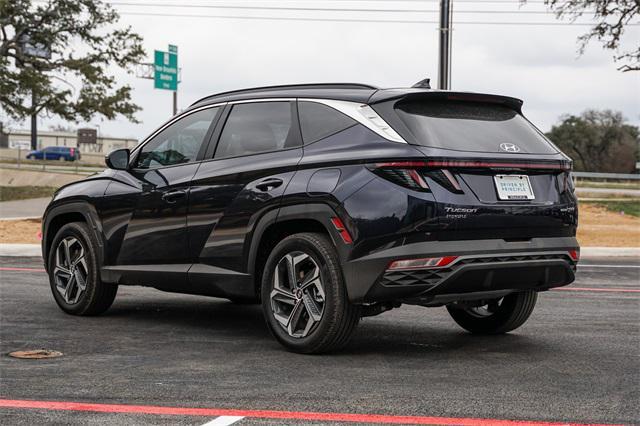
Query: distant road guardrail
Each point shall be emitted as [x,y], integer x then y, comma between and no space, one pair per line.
[606,176]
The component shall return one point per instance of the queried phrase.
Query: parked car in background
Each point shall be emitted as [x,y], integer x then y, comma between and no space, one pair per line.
[55,153]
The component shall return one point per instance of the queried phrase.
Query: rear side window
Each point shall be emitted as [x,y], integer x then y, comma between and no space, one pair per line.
[471,126]
[258,127]
[317,121]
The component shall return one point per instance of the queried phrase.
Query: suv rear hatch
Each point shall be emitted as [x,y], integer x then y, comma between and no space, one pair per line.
[491,172]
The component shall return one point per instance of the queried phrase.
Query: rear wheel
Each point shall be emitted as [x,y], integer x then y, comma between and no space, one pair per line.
[304,298]
[497,316]
[73,272]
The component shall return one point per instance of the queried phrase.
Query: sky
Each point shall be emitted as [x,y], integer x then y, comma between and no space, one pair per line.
[538,64]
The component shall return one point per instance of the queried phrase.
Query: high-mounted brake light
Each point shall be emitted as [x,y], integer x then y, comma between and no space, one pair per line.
[337,223]
[426,263]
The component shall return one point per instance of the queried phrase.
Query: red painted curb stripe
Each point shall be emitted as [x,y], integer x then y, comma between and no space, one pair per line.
[270,414]
[22,269]
[613,290]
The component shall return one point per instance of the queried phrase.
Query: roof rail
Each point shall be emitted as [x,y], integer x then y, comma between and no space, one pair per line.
[292,87]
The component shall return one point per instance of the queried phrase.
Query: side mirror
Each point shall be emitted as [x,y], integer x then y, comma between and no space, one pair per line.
[118,159]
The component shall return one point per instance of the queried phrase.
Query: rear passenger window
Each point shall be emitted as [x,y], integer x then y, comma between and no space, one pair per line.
[258,127]
[318,121]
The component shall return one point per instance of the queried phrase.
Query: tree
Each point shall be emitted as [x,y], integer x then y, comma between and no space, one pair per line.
[598,141]
[612,17]
[46,44]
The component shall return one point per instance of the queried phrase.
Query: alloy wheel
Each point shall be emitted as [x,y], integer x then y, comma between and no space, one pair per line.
[297,295]
[70,272]
[486,310]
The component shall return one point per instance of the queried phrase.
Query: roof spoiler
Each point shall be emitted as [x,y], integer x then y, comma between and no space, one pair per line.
[414,94]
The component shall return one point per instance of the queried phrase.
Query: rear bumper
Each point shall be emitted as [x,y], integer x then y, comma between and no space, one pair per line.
[483,268]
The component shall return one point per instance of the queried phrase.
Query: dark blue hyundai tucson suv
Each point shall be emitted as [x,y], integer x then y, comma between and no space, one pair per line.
[326,203]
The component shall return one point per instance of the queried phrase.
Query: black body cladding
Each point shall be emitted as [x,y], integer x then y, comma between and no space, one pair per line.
[207,196]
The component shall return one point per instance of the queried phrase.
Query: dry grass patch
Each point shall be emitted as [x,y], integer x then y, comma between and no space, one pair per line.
[20,231]
[599,227]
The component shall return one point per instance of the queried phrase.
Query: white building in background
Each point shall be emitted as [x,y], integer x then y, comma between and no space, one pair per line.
[103,144]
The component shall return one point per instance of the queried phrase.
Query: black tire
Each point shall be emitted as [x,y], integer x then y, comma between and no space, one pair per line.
[339,317]
[97,297]
[511,313]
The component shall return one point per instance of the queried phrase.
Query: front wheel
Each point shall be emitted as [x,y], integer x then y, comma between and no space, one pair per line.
[74,275]
[497,316]
[304,298]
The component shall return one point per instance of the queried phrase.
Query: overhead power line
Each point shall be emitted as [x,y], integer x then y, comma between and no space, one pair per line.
[505,2]
[392,21]
[322,9]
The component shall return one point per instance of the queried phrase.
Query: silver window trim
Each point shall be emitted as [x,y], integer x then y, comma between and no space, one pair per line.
[362,113]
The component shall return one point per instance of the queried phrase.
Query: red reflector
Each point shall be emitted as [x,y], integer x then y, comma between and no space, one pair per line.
[574,255]
[337,223]
[426,263]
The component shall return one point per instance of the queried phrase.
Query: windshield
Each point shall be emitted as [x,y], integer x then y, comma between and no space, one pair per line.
[471,126]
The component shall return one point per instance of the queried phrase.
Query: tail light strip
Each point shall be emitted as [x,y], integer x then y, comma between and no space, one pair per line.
[474,164]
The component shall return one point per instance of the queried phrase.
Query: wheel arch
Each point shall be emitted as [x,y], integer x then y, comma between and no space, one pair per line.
[289,220]
[58,216]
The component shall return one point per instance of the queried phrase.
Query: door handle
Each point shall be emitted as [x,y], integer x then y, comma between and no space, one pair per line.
[173,196]
[269,184]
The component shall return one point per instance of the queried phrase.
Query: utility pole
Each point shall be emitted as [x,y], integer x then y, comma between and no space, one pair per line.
[175,102]
[34,122]
[444,50]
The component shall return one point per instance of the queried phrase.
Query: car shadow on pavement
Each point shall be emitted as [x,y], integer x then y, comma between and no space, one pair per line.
[220,318]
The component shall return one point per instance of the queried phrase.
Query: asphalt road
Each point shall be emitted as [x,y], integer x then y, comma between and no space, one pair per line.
[577,359]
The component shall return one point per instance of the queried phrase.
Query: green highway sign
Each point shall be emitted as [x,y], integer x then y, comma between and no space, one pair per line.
[166,69]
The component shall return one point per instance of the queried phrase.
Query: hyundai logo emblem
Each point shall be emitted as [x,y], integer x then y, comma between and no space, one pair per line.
[509,147]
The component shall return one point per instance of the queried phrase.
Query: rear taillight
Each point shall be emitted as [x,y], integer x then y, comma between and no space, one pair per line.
[411,174]
[574,255]
[73,151]
[406,173]
[425,263]
[565,182]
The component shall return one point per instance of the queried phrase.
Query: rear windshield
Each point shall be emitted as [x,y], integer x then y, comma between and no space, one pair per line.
[471,126]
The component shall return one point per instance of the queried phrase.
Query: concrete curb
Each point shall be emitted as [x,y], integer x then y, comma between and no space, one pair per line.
[20,250]
[609,252]
[34,250]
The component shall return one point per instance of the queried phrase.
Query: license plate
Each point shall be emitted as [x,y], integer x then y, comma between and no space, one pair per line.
[514,187]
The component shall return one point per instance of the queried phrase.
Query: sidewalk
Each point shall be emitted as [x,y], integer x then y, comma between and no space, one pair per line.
[23,209]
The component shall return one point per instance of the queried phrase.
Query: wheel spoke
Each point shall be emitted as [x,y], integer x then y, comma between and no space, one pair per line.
[294,318]
[279,295]
[67,253]
[291,271]
[80,280]
[312,307]
[68,289]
